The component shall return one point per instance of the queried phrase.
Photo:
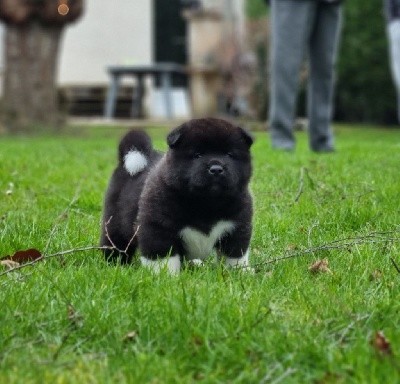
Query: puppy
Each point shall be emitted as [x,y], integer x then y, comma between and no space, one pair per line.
[185,203]
[121,204]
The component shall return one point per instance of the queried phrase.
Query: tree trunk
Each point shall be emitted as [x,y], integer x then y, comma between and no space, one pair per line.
[31,61]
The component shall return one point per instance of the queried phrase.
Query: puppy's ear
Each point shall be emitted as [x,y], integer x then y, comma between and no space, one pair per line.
[247,136]
[174,137]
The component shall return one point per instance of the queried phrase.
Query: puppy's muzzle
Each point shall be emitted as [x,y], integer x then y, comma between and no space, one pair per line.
[216,170]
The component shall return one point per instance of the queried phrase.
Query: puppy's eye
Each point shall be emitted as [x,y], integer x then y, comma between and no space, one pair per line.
[197,155]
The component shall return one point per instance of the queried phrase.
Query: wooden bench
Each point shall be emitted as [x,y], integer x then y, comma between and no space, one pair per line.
[88,100]
[162,71]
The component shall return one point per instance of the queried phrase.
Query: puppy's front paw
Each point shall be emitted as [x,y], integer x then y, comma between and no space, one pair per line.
[196,263]
[171,264]
[240,263]
[246,269]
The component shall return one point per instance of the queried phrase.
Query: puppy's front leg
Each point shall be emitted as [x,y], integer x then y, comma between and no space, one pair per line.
[242,261]
[159,247]
[171,264]
[235,249]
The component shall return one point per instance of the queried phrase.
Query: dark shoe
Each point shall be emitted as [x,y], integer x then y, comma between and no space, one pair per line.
[323,150]
[283,146]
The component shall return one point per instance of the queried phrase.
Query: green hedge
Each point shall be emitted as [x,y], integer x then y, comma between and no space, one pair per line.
[365,90]
[255,8]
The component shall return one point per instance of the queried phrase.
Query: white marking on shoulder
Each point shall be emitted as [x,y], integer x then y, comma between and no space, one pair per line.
[172,264]
[134,162]
[199,245]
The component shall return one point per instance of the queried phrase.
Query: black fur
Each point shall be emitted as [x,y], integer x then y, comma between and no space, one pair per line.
[122,198]
[202,179]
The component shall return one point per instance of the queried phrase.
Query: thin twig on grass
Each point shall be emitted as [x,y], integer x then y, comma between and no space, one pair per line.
[64,340]
[130,241]
[61,216]
[58,254]
[301,185]
[125,251]
[346,243]
[107,234]
[314,225]
[349,327]
[395,265]
[113,247]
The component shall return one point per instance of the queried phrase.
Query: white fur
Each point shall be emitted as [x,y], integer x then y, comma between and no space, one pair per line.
[199,245]
[238,262]
[172,264]
[134,162]
[196,262]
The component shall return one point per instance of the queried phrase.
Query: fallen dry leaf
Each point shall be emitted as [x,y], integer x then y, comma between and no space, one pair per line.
[330,377]
[73,316]
[9,264]
[381,344]
[376,275]
[71,312]
[291,247]
[10,189]
[130,336]
[197,341]
[320,266]
[23,257]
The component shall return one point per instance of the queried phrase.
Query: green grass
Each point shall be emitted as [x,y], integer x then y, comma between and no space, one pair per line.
[65,320]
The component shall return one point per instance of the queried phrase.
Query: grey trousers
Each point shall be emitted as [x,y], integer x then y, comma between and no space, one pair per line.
[303,29]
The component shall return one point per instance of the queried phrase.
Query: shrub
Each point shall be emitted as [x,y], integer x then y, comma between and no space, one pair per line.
[365,89]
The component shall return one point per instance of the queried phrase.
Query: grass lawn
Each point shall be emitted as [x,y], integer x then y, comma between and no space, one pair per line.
[75,319]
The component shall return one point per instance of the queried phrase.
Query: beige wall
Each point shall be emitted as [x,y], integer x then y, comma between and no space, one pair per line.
[111,32]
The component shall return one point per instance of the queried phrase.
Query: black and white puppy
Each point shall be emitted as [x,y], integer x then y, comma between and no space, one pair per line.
[185,203]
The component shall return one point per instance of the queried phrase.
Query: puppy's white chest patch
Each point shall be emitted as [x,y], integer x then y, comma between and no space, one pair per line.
[199,245]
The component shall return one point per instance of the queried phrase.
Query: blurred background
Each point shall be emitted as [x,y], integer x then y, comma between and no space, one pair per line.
[58,55]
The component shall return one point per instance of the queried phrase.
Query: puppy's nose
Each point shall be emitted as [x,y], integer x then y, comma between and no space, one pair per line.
[216,170]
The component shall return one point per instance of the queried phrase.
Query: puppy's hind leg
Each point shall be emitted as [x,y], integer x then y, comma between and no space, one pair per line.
[113,255]
[118,249]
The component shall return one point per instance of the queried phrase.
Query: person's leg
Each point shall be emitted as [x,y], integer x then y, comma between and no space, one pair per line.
[323,52]
[290,29]
[394,46]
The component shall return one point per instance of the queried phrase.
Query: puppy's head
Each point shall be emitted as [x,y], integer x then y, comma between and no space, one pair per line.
[209,157]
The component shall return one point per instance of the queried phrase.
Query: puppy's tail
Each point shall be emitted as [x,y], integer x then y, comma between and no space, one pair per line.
[135,151]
